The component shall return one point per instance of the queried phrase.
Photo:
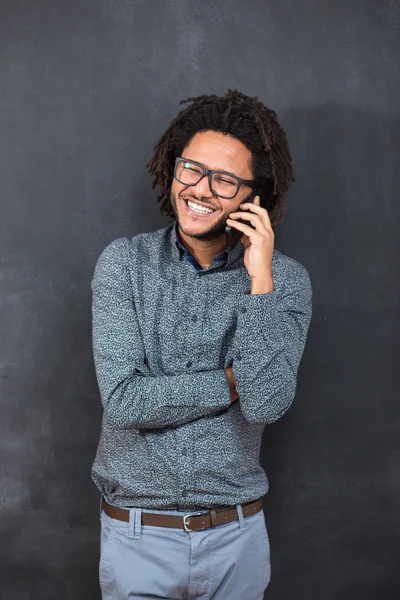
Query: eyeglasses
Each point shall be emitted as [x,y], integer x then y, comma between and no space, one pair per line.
[222,184]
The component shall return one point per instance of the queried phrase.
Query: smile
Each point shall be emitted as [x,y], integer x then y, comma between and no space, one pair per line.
[194,209]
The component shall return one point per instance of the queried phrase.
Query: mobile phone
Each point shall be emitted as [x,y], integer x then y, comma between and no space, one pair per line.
[233,235]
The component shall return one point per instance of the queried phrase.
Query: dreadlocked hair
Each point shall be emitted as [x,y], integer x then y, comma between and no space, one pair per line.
[241,117]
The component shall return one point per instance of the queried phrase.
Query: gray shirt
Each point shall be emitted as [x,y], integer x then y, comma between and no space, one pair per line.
[164,329]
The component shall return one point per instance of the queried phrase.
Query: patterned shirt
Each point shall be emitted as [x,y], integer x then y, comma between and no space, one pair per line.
[164,329]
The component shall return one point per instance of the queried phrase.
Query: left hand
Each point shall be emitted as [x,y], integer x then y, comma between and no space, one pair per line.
[259,242]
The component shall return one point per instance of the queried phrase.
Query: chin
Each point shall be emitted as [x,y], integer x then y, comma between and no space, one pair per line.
[206,234]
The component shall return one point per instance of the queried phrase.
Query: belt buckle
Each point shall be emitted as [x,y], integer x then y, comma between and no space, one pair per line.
[185,525]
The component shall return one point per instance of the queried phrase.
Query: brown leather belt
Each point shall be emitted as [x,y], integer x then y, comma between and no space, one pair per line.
[191,521]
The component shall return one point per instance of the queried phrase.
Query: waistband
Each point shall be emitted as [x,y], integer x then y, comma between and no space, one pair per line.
[190,521]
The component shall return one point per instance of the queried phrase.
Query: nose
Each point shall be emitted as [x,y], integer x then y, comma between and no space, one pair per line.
[202,189]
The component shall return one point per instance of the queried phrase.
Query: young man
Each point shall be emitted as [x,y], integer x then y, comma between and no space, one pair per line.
[197,347]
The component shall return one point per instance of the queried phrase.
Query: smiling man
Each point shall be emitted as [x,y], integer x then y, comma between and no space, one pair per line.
[197,346]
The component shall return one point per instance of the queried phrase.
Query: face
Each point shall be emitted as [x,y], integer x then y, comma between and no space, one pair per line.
[212,150]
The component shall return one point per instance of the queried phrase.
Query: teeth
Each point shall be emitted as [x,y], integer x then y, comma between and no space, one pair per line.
[199,208]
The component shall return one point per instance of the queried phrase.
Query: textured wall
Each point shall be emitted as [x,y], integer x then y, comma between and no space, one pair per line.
[86,89]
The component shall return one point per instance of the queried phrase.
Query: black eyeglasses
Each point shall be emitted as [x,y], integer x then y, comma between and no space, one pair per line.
[222,184]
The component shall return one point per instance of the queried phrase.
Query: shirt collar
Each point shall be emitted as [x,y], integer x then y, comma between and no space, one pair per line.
[224,258]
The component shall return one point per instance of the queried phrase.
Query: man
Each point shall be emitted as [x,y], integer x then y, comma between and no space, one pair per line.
[197,347]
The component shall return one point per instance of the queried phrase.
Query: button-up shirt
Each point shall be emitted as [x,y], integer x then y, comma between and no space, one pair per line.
[164,330]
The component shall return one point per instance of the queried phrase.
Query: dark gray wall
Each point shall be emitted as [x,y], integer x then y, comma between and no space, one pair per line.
[86,89]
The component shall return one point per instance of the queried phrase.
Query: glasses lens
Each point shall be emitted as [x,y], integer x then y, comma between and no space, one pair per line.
[188,172]
[223,185]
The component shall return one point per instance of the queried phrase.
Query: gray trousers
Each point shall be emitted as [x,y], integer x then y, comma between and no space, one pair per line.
[228,562]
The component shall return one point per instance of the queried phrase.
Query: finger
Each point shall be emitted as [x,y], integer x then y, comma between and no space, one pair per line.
[256,202]
[255,220]
[249,231]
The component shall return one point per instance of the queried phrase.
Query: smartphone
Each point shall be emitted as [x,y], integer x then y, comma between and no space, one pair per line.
[233,235]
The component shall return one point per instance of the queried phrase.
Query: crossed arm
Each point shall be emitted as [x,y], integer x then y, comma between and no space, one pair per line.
[270,337]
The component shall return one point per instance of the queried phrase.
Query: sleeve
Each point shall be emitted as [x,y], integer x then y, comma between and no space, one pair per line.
[269,343]
[131,396]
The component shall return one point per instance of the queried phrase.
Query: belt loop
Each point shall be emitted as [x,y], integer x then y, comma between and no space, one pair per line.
[213,518]
[135,523]
[131,525]
[239,509]
[138,523]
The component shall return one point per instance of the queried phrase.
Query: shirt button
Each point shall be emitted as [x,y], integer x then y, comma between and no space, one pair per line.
[238,355]
[194,318]
[189,363]
[184,452]
[184,493]
[243,309]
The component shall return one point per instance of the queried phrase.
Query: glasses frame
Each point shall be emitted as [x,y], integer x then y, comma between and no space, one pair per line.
[209,173]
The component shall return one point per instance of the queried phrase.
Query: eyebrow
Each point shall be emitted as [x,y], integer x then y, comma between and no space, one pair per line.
[217,169]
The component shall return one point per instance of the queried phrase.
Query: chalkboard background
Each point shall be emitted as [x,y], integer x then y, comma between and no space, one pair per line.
[86,89]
